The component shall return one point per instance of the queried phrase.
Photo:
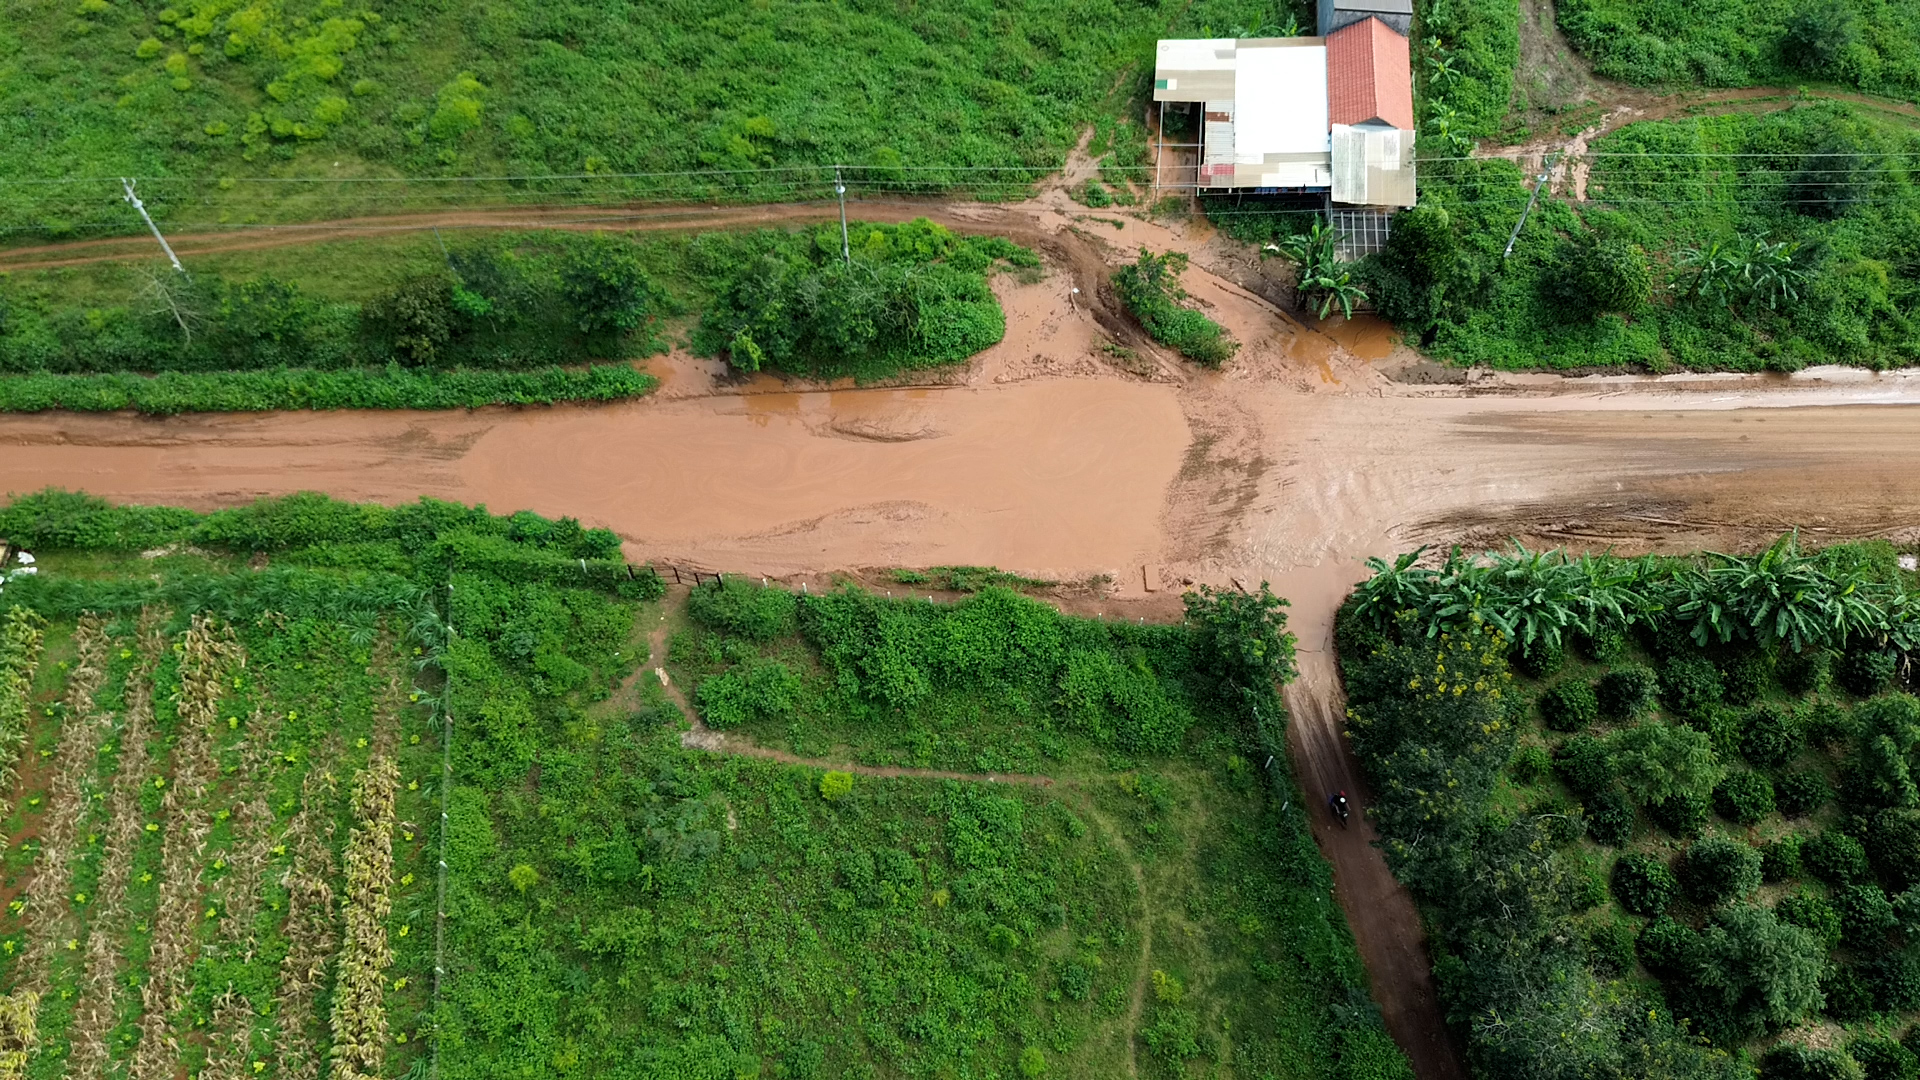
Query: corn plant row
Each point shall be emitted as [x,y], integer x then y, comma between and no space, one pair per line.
[310,927]
[207,654]
[237,898]
[359,994]
[94,1012]
[21,636]
[48,895]
[20,639]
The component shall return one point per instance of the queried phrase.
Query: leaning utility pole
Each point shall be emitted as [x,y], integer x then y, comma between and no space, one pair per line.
[1546,169]
[840,189]
[142,208]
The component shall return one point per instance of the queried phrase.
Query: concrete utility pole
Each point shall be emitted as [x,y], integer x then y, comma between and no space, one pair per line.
[1546,169]
[142,208]
[840,189]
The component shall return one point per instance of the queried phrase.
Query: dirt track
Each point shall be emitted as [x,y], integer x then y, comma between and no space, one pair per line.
[1046,457]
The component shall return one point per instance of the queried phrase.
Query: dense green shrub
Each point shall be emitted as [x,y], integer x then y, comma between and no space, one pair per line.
[1570,705]
[1792,1061]
[1866,915]
[1780,859]
[1150,287]
[1682,814]
[1892,841]
[1742,974]
[1848,992]
[1655,761]
[1744,797]
[766,690]
[737,606]
[1609,817]
[1539,659]
[1644,885]
[1745,677]
[1610,947]
[1827,724]
[1772,737]
[1600,276]
[1884,1059]
[1625,693]
[1804,672]
[1865,669]
[1835,858]
[1895,977]
[1821,39]
[1801,793]
[1586,764]
[1719,870]
[1690,685]
[1531,763]
[912,296]
[1813,912]
[1604,645]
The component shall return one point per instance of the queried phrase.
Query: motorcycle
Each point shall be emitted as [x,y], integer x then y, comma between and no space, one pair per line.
[1338,804]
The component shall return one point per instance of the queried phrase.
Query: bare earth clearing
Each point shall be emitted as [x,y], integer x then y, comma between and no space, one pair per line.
[1050,456]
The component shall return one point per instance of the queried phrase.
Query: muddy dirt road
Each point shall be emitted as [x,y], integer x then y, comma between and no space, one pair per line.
[1059,454]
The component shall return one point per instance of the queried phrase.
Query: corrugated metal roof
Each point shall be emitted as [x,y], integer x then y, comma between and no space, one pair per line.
[1373,166]
[1370,76]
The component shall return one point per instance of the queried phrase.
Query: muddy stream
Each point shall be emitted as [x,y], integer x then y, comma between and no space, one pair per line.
[1075,449]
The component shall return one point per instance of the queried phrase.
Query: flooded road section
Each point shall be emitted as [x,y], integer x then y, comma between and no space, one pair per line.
[1050,476]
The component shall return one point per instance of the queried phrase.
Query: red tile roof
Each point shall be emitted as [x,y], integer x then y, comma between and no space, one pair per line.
[1369,75]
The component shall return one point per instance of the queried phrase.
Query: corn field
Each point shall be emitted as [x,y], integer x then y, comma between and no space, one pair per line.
[214,856]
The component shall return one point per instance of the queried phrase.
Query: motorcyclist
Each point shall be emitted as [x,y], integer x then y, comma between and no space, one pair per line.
[1338,802]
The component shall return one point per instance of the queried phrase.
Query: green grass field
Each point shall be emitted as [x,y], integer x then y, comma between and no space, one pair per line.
[200,101]
[257,879]
[1863,44]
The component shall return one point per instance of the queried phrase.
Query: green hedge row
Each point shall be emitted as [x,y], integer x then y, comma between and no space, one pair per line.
[391,387]
[515,563]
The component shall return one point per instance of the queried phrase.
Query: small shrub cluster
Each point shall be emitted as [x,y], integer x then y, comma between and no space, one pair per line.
[1150,287]
[1570,705]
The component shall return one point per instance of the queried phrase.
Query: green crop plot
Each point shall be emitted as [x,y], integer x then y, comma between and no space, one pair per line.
[231,776]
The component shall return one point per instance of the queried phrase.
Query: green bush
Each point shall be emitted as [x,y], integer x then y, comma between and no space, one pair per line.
[1892,842]
[1150,287]
[1745,677]
[1625,693]
[1606,644]
[1586,764]
[1744,797]
[1609,817]
[1601,276]
[1643,885]
[1690,686]
[1821,38]
[1570,705]
[1791,1061]
[912,296]
[1895,977]
[1801,793]
[1682,814]
[1718,871]
[1866,915]
[1780,859]
[1849,994]
[1865,669]
[1771,737]
[1884,1059]
[1835,858]
[737,606]
[1610,947]
[1811,912]
[1531,764]
[1540,659]
[1804,672]
[764,690]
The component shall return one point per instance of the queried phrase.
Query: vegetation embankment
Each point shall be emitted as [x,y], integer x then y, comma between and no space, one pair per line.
[201,103]
[868,925]
[420,324]
[1873,47]
[1659,809]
